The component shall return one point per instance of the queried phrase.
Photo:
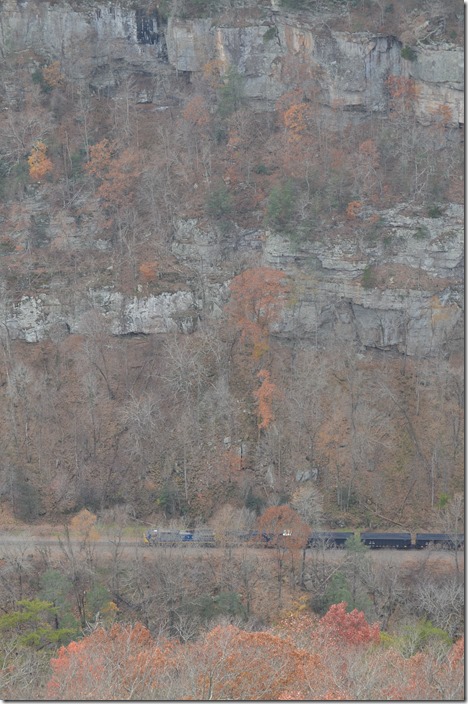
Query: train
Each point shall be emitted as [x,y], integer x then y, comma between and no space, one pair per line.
[205,537]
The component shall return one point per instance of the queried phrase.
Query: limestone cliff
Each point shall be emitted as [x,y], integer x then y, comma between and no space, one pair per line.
[104,42]
[400,291]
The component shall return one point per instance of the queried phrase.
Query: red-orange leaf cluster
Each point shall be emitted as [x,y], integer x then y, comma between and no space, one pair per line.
[107,665]
[350,628]
[286,527]
[148,270]
[403,93]
[257,299]
[264,397]
[196,112]
[39,163]
[115,172]
[337,657]
[353,209]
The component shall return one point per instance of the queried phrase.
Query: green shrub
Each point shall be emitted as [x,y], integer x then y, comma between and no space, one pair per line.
[262,169]
[38,78]
[223,604]
[231,93]
[337,590]
[443,501]
[368,277]
[270,34]
[254,503]
[219,203]
[281,204]
[169,501]
[434,211]
[421,233]
[409,54]
[34,624]
[196,8]
[415,638]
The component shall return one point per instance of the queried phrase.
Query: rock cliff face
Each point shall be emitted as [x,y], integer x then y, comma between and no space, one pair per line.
[401,291]
[342,69]
[99,43]
[104,42]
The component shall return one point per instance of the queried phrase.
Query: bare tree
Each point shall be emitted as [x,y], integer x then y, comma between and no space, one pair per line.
[443,602]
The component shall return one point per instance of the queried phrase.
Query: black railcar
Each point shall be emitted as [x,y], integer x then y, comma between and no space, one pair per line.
[440,540]
[329,539]
[400,541]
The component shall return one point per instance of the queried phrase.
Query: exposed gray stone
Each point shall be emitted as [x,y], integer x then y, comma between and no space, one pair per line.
[103,43]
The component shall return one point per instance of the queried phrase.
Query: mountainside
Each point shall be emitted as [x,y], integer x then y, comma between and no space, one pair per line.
[232,258]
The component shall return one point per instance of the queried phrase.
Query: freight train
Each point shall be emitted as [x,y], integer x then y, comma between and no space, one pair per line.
[327,539]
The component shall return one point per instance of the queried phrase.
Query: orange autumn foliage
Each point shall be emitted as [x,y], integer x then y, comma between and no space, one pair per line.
[257,299]
[337,657]
[53,75]
[403,93]
[84,525]
[196,112]
[232,664]
[287,100]
[264,398]
[39,163]
[115,172]
[348,628]
[353,209]
[295,119]
[108,664]
[148,270]
[285,526]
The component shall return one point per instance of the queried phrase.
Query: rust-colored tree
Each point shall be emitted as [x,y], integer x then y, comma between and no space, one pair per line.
[148,270]
[39,163]
[338,657]
[197,113]
[257,298]
[232,664]
[53,76]
[284,525]
[352,209]
[264,397]
[300,143]
[403,93]
[115,173]
[295,119]
[122,662]
[339,626]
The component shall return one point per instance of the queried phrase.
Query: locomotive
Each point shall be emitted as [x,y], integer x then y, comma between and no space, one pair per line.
[328,539]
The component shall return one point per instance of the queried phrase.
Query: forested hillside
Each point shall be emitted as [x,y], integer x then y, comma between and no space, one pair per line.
[231,260]
[231,271]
